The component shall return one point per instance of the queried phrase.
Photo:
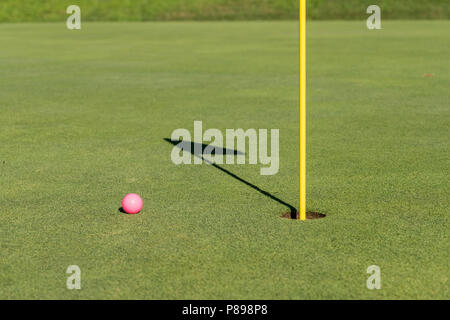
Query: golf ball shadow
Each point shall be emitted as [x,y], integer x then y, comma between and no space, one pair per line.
[121,210]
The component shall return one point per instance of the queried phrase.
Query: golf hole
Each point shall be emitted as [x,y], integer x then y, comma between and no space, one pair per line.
[309,215]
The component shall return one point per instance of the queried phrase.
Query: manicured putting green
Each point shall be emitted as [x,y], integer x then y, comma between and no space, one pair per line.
[84,115]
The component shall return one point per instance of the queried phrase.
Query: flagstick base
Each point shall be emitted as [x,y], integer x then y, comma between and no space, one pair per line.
[309,215]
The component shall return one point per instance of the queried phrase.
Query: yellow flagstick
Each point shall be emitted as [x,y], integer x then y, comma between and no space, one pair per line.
[302,17]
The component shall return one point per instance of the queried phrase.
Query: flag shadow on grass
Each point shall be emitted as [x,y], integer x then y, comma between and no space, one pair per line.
[195,148]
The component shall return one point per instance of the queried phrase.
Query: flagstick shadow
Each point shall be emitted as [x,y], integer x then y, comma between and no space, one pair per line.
[187,144]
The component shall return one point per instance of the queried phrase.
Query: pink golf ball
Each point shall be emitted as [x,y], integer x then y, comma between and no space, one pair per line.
[132,203]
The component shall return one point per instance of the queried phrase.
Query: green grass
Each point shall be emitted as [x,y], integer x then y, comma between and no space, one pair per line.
[83,115]
[157,10]
[148,10]
[390,9]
